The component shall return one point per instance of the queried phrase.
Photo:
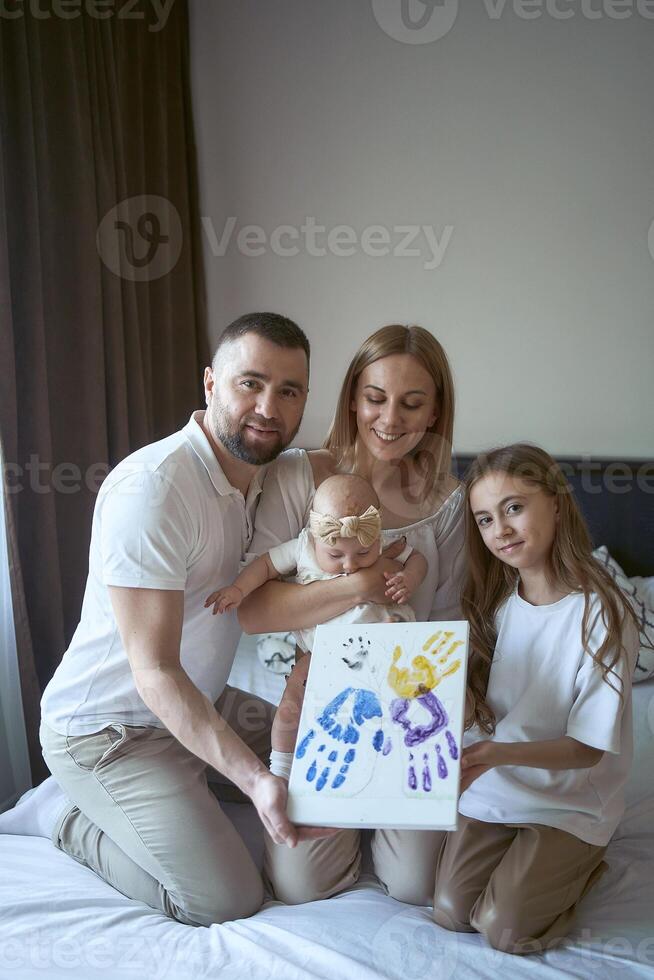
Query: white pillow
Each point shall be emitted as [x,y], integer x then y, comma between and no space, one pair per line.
[637,591]
[645,588]
[637,824]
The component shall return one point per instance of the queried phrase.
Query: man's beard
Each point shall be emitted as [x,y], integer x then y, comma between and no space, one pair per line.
[233,439]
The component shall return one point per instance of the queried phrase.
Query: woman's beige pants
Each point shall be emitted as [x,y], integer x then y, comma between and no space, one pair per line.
[517,885]
[404,860]
[146,821]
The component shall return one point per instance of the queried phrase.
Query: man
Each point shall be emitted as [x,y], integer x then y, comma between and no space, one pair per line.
[138,706]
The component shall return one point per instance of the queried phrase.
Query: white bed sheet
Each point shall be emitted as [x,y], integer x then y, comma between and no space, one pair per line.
[59,920]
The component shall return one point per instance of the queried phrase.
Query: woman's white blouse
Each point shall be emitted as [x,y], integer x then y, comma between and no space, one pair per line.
[283,511]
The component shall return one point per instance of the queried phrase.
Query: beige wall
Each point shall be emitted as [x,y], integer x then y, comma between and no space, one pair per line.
[522,140]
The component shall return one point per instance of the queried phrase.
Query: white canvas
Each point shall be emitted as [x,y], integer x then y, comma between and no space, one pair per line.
[379,742]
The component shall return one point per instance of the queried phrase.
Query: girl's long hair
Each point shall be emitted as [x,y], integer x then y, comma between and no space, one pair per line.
[433,454]
[490,581]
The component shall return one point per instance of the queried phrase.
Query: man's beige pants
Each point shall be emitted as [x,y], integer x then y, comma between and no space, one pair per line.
[517,885]
[146,821]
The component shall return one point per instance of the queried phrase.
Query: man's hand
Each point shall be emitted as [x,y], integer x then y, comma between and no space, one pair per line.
[269,794]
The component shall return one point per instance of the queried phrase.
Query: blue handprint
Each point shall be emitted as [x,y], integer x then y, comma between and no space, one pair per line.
[365,706]
[418,734]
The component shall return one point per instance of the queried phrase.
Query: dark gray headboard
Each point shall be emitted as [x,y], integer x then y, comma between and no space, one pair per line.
[617,500]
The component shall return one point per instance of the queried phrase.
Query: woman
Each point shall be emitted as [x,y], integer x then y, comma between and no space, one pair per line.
[393,425]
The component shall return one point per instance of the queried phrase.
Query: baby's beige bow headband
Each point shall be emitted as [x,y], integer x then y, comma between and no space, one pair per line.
[365,528]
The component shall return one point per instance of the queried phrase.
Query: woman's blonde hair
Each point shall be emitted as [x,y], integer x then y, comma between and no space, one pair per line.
[490,581]
[433,454]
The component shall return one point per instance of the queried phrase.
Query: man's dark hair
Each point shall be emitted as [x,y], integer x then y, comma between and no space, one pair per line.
[271,326]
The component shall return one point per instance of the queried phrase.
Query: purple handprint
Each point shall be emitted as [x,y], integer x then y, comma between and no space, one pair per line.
[416,735]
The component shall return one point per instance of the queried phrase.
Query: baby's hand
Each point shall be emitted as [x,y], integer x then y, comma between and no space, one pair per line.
[224,599]
[400,586]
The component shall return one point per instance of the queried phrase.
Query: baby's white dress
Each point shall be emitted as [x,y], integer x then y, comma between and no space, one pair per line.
[299,556]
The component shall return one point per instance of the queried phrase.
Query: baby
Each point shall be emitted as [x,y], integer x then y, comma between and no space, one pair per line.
[332,546]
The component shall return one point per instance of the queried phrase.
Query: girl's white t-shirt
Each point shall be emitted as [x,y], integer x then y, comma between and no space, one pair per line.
[543,685]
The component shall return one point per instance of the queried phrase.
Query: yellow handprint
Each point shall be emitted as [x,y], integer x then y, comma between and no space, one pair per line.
[425,673]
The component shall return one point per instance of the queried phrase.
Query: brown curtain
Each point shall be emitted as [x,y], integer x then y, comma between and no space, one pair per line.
[102,333]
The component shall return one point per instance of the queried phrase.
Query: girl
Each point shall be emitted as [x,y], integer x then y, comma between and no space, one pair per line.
[553,648]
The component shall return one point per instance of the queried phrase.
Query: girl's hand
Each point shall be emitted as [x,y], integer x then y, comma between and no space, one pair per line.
[224,599]
[476,760]
[468,776]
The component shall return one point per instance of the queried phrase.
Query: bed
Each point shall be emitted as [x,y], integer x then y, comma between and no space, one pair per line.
[59,920]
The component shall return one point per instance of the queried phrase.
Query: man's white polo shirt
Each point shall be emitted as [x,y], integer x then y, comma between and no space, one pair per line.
[165,518]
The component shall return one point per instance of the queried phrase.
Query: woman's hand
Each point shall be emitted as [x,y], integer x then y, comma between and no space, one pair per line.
[394,549]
